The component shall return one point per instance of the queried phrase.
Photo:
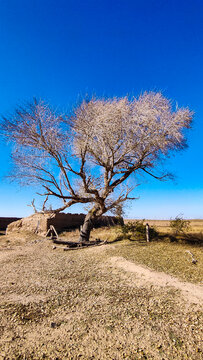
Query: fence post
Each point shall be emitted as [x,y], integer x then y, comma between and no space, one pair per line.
[147,232]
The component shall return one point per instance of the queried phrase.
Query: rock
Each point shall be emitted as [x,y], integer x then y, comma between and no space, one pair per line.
[53,325]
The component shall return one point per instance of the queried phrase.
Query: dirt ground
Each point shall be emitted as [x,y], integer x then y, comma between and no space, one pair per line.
[91,304]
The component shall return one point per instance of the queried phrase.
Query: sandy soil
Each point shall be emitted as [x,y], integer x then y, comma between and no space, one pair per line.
[87,304]
[144,276]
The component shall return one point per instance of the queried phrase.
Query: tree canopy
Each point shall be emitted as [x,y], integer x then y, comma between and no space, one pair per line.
[87,156]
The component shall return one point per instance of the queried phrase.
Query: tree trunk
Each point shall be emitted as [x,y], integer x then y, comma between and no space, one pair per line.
[87,227]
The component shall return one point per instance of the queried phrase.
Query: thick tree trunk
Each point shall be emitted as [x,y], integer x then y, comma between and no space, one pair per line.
[87,226]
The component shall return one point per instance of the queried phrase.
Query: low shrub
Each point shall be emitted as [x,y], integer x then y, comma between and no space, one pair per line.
[136,230]
[179,225]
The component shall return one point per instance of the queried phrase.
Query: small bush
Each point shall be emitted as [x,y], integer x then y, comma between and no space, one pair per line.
[137,230]
[179,225]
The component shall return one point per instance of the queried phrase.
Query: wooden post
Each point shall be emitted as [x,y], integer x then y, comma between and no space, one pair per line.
[147,232]
[52,231]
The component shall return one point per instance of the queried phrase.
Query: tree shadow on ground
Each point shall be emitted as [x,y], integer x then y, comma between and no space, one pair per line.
[193,239]
[190,238]
[117,239]
[136,241]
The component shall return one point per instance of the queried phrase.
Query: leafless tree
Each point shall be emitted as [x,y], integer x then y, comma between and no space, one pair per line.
[87,157]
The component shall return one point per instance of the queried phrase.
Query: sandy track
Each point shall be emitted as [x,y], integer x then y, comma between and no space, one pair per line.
[191,292]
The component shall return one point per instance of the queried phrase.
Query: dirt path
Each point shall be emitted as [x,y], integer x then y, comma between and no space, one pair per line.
[91,304]
[193,293]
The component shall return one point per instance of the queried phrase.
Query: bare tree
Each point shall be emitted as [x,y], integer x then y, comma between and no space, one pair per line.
[88,157]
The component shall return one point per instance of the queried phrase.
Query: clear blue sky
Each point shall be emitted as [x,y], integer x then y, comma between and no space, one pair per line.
[60,50]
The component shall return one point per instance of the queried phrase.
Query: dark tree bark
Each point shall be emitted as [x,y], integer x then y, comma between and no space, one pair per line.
[88,225]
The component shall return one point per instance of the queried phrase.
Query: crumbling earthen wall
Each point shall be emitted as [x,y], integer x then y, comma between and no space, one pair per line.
[63,221]
[40,223]
[35,224]
[5,221]
[108,221]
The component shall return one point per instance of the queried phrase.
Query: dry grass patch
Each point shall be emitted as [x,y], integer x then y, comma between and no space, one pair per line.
[163,226]
[162,255]
[171,258]
[76,305]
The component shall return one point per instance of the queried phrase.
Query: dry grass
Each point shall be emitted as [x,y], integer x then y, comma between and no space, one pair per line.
[170,258]
[196,225]
[76,305]
[164,255]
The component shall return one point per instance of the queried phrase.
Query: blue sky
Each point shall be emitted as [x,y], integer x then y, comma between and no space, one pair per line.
[61,50]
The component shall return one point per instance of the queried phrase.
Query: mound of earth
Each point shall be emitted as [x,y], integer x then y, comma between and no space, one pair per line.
[35,224]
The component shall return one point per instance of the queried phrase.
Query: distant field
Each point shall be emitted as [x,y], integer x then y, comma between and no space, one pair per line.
[164,225]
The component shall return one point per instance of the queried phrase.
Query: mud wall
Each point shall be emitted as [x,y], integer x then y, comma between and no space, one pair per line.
[40,223]
[63,221]
[108,221]
[5,221]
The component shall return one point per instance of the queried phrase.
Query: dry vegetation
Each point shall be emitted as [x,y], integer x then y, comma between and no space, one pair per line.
[82,305]
[164,225]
